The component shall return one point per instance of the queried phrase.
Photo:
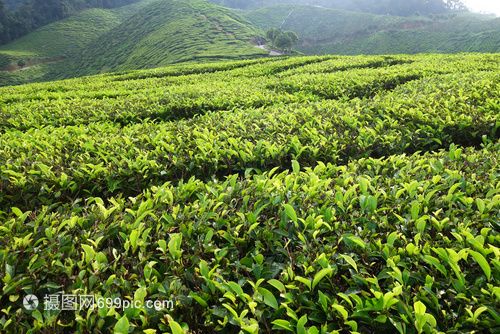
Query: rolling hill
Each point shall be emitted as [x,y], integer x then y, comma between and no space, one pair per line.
[460,34]
[143,35]
[44,48]
[167,32]
[322,25]
[332,31]
[153,33]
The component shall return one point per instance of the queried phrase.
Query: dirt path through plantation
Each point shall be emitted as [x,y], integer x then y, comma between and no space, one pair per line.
[271,53]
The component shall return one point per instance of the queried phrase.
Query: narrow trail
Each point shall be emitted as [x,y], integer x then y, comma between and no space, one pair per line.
[271,53]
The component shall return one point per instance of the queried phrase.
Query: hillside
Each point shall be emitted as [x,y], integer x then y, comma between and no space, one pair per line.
[143,35]
[43,49]
[379,7]
[331,31]
[321,25]
[460,34]
[326,194]
[21,17]
[167,32]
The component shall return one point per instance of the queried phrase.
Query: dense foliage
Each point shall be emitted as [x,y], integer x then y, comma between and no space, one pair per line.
[154,33]
[309,195]
[283,40]
[167,32]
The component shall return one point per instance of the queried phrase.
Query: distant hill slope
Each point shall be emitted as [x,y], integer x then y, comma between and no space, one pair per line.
[45,47]
[143,35]
[320,25]
[331,31]
[393,7]
[167,32]
[460,34]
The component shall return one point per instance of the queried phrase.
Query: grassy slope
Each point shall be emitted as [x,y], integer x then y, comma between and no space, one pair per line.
[461,34]
[146,34]
[315,24]
[167,32]
[44,46]
[330,31]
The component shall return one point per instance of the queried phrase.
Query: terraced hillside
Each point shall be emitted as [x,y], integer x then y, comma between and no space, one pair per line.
[330,31]
[317,25]
[168,32]
[460,34]
[45,48]
[143,35]
[311,195]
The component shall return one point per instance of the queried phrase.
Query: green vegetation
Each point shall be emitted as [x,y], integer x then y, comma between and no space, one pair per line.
[44,49]
[460,34]
[379,7]
[286,40]
[167,32]
[19,19]
[142,35]
[329,31]
[272,33]
[154,33]
[312,195]
[316,25]
[61,38]
[283,40]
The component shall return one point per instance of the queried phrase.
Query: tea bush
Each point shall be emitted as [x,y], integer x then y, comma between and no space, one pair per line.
[309,195]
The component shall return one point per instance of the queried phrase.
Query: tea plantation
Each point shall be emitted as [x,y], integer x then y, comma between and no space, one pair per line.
[306,195]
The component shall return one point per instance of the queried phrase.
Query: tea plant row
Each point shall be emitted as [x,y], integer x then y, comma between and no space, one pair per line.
[406,243]
[309,195]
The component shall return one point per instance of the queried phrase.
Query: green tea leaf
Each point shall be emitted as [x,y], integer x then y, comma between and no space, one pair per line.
[296,167]
[283,324]
[301,325]
[89,253]
[342,310]
[174,245]
[200,300]
[122,326]
[319,276]
[278,285]
[419,308]
[269,298]
[290,212]
[174,326]
[480,205]
[481,260]
[349,260]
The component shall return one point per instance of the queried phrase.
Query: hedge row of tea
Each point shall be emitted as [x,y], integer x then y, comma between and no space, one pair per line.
[309,195]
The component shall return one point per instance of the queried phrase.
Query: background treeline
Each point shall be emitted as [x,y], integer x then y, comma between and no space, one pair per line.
[392,7]
[20,17]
